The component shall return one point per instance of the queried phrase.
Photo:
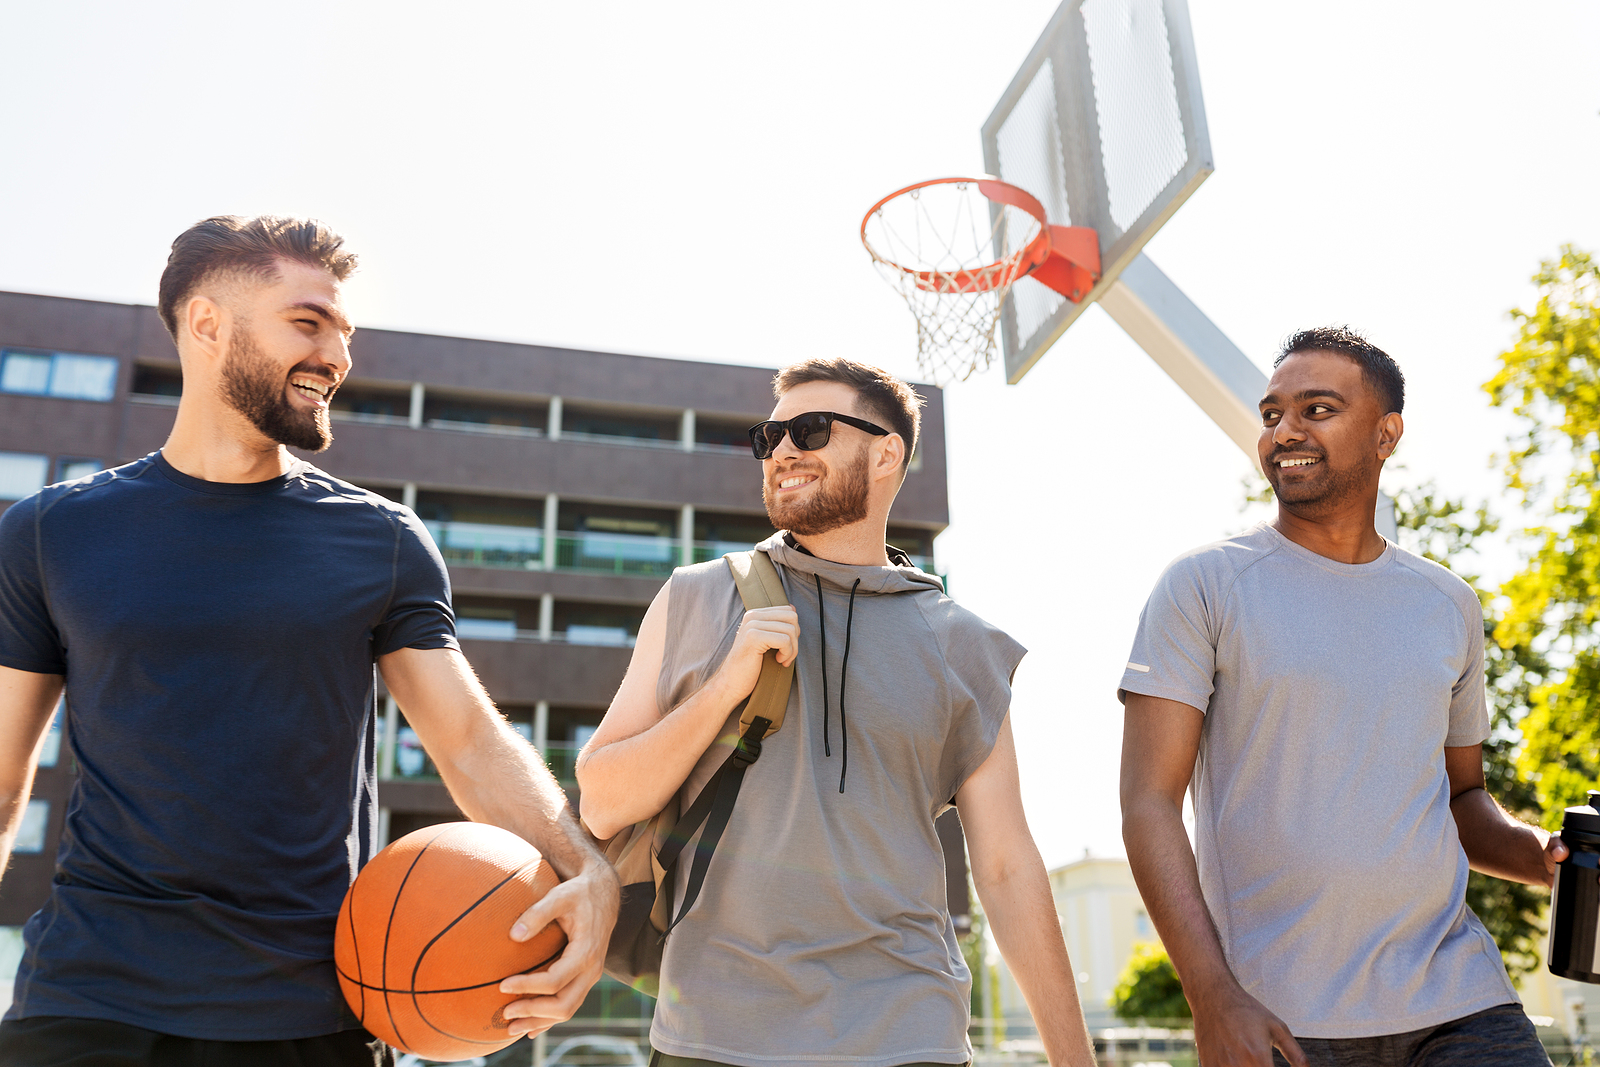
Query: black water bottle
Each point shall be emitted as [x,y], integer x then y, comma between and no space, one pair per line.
[1575,897]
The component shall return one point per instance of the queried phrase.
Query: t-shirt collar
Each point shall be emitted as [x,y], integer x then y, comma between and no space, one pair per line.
[199,485]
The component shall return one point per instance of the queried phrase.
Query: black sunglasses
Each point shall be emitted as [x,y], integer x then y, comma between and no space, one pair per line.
[809,431]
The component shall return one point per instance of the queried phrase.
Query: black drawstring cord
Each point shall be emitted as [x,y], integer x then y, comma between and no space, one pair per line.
[844,674]
[822,625]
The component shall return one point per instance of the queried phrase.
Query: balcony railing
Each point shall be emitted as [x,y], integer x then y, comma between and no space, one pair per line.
[481,544]
[607,553]
[368,417]
[669,444]
[562,758]
[603,636]
[709,550]
[485,427]
[412,764]
[475,544]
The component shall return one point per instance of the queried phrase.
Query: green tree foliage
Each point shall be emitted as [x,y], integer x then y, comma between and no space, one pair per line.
[1149,988]
[1551,379]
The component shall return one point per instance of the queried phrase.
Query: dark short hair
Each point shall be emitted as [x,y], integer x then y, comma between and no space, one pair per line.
[229,244]
[886,397]
[1377,367]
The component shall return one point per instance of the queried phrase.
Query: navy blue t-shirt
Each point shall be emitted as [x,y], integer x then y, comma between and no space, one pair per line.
[218,643]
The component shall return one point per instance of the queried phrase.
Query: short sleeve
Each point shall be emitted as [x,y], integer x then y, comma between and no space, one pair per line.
[419,613]
[980,661]
[1469,705]
[29,640]
[1174,654]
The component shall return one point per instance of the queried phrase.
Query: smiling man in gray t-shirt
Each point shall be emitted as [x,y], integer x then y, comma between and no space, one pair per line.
[1322,690]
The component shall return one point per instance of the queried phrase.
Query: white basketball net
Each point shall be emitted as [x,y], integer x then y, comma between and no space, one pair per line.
[953,260]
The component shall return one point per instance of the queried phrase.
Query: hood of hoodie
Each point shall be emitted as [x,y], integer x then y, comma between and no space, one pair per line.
[861,584]
[902,577]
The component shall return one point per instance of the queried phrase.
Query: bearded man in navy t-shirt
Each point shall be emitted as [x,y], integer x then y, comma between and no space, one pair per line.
[215,611]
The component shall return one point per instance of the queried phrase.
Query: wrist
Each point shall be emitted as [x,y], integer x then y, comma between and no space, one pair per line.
[719,695]
[1213,991]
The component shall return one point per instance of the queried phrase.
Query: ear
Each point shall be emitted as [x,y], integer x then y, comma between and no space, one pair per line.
[1390,429]
[890,452]
[202,326]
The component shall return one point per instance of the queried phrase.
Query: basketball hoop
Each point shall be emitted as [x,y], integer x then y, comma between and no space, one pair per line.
[953,247]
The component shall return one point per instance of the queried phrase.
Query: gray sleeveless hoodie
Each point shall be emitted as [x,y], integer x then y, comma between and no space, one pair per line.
[822,934]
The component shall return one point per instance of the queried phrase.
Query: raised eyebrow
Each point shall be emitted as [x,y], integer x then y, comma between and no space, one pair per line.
[327,313]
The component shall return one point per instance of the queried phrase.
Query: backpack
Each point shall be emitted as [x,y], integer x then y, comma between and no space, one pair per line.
[646,854]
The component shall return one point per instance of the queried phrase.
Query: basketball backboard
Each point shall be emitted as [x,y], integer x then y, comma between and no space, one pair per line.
[1105,125]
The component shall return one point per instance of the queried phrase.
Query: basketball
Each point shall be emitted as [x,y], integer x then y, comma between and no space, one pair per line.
[424,938]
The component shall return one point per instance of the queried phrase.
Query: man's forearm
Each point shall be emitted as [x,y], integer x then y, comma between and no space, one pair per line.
[1022,915]
[1495,843]
[1169,882]
[500,779]
[633,778]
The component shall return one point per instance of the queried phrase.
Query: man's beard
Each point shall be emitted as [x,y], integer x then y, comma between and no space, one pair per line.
[1314,496]
[253,387]
[840,499]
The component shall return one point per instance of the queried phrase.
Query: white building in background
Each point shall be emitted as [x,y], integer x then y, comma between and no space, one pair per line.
[1103,917]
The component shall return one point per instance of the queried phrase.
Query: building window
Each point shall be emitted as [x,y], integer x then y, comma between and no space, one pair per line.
[484,531]
[62,374]
[570,729]
[71,468]
[504,415]
[486,624]
[410,758]
[597,624]
[732,436]
[717,534]
[22,474]
[615,540]
[35,821]
[50,748]
[581,422]
[382,405]
[163,381]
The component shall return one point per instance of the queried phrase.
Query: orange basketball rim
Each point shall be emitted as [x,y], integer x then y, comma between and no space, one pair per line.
[1065,258]
[953,248]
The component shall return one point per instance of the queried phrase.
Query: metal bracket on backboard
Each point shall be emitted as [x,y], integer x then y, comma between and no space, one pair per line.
[1105,124]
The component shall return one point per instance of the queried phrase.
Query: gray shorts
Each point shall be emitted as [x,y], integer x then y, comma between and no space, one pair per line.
[1496,1037]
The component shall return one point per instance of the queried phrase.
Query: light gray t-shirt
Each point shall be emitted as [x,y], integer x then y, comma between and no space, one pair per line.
[1327,852]
[822,934]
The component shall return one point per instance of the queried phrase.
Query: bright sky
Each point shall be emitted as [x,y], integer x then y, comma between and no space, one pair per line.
[687,180]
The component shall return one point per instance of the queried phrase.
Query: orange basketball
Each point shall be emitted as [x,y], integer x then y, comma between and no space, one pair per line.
[424,938]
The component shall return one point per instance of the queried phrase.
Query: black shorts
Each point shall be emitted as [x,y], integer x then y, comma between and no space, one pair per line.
[56,1041]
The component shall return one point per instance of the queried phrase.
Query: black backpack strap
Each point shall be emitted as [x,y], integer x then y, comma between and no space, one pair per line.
[762,715]
[713,808]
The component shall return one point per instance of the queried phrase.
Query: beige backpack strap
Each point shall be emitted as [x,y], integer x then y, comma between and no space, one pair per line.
[760,587]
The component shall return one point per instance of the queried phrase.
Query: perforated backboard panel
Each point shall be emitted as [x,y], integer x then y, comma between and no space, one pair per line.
[1104,123]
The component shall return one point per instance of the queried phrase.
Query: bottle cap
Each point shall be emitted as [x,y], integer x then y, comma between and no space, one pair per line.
[1585,818]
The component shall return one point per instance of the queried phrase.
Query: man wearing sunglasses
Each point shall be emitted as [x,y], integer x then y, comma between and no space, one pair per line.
[822,934]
